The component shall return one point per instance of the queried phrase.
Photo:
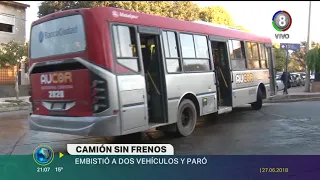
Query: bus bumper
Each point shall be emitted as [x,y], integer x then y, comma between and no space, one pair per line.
[83,126]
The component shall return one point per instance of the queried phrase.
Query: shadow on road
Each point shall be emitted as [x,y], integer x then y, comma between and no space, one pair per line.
[206,121]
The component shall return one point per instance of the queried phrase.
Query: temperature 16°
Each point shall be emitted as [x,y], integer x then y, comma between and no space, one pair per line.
[59,169]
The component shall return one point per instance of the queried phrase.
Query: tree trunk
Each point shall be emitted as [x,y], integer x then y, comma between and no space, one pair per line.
[307,85]
[17,85]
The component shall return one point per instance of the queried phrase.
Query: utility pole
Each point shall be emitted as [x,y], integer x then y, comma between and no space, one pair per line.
[308,46]
[286,71]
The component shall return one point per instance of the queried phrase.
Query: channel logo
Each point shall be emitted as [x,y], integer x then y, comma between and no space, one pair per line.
[43,155]
[281,22]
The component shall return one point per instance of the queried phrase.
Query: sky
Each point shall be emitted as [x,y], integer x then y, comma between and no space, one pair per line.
[254,16]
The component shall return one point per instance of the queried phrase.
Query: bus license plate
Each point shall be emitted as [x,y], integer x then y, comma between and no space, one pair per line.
[58,106]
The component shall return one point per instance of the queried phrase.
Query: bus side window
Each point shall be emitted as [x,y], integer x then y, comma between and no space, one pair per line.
[195,53]
[253,55]
[237,55]
[263,59]
[125,44]
[171,51]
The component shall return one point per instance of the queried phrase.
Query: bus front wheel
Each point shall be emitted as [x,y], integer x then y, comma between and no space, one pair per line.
[258,104]
[187,118]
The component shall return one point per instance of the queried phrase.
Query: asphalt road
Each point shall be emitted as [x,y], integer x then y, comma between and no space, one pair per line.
[288,128]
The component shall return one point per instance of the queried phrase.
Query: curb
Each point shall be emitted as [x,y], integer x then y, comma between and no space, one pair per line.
[14,108]
[291,100]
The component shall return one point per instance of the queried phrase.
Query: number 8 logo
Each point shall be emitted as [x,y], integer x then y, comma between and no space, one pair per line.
[282,20]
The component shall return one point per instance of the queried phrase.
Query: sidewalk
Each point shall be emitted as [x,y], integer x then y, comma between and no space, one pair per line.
[295,94]
[9,104]
[22,98]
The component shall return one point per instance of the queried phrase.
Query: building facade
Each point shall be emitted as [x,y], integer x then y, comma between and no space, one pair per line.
[13,27]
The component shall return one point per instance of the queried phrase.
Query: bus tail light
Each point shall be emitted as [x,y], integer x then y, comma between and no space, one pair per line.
[97,107]
[99,91]
[96,83]
[97,99]
[96,91]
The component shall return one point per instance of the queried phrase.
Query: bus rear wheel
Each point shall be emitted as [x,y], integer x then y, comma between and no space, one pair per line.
[258,104]
[187,118]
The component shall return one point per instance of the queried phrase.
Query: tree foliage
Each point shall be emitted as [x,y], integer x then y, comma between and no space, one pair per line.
[298,60]
[175,9]
[313,59]
[280,57]
[216,14]
[183,10]
[12,54]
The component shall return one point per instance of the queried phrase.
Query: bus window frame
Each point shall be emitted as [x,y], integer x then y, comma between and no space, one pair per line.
[245,54]
[65,54]
[252,51]
[266,61]
[209,56]
[219,39]
[138,46]
[265,55]
[178,50]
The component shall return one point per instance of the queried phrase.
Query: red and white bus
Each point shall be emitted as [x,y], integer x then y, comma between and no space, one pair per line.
[110,72]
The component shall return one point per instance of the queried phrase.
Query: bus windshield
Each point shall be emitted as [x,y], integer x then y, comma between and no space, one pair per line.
[58,36]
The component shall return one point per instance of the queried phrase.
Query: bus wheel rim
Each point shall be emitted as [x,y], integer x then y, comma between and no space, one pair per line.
[186,117]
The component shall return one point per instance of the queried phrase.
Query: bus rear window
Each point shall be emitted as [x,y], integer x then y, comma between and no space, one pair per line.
[58,36]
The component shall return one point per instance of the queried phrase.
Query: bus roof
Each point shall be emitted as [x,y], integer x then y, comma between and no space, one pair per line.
[129,17]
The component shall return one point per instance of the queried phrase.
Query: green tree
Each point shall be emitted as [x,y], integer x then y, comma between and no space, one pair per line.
[13,54]
[160,8]
[313,59]
[217,15]
[298,60]
[48,7]
[280,57]
[185,10]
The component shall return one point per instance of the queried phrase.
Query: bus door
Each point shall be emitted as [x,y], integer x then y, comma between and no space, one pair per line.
[130,79]
[223,73]
[272,71]
[154,74]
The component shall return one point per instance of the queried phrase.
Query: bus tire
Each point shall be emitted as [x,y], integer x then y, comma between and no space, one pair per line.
[187,118]
[258,104]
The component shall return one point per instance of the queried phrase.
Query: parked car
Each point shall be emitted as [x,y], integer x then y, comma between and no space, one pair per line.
[312,77]
[280,85]
[293,81]
[303,78]
[298,79]
[279,73]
